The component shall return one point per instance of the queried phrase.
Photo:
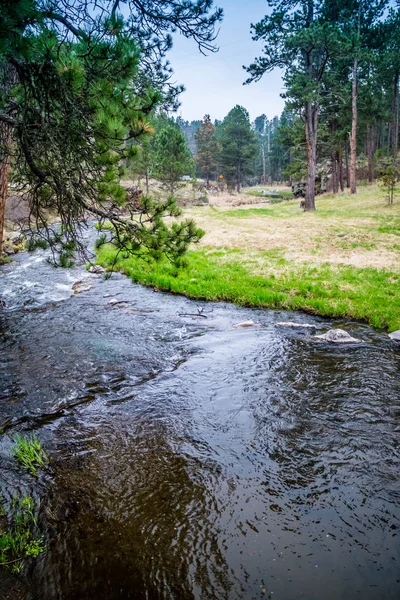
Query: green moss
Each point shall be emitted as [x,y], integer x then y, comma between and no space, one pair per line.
[261,279]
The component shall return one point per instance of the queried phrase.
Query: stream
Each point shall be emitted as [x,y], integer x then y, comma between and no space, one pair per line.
[190,459]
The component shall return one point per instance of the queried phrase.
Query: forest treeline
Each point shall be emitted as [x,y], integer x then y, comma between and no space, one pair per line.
[341,63]
[84,95]
[224,152]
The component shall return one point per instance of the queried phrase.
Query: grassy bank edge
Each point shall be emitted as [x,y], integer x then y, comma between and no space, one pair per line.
[264,281]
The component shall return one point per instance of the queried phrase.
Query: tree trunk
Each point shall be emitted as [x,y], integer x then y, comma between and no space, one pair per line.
[395,120]
[238,179]
[371,145]
[340,163]
[335,185]
[5,147]
[353,136]
[346,148]
[264,175]
[334,169]
[147,181]
[311,142]
[6,133]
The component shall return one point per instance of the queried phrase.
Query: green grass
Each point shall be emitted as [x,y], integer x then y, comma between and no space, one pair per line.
[29,453]
[274,198]
[391,226]
[21,539]
[265,279]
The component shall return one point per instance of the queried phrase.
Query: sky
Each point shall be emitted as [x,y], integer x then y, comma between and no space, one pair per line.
[214,83]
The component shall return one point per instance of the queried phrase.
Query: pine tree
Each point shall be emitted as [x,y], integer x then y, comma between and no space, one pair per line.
[356,20]
[142,163]
[172,157]
[299,41]
[208,149]
[77,89]
[387,39]
[238,146]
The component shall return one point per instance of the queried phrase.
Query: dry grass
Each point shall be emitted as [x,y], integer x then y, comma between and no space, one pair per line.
[360,231]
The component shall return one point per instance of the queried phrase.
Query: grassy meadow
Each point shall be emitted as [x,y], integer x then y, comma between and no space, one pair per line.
[342,260]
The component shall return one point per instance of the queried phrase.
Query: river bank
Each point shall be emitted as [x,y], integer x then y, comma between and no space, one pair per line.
[341,261]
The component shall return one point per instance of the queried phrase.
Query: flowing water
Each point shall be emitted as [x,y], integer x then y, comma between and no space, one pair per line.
[193,460]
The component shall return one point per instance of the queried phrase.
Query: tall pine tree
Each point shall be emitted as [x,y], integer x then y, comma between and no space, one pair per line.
[208,149]
[172,157]
[238,147]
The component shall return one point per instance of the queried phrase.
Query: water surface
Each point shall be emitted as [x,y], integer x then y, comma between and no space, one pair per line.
[194,460]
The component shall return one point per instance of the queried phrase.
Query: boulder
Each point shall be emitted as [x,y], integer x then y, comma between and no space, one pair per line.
[395,335]
[337,336]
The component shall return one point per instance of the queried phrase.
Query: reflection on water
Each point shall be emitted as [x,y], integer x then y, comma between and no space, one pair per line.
[194,460]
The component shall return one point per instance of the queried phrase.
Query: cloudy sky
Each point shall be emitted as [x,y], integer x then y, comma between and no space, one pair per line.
[214,84]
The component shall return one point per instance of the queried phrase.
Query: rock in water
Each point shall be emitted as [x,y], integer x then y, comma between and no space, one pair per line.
[80,286]
[293,324]
[244,324]
[337,336]
[395,335]
[97,269]
[113,301]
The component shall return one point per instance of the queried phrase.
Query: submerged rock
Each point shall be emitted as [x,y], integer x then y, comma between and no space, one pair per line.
[244,324]
[293,324]
[115,302]
[337,336]
[395,335]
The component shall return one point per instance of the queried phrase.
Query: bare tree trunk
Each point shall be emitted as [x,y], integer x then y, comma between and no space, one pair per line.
[340,163]
[335,185]
[347,165]
[238,178]
[5,148]
[311,142]
[6,134]
[264,175]
[353,136]
[395,121]
[370,153]
[147,181]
